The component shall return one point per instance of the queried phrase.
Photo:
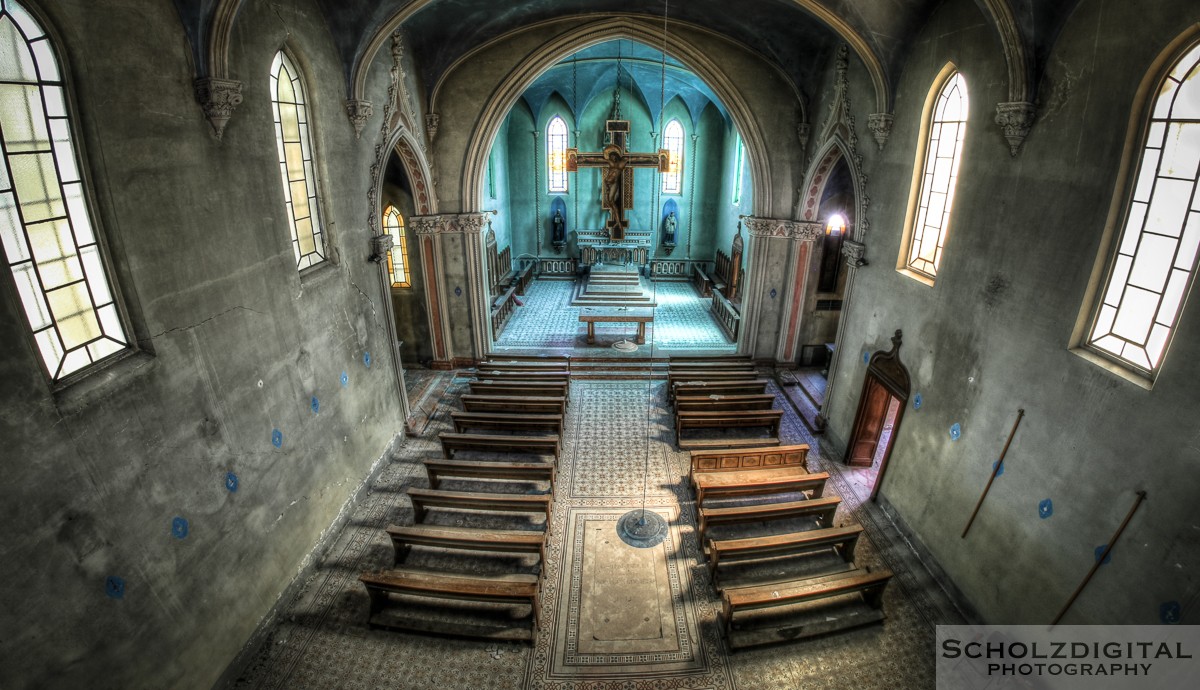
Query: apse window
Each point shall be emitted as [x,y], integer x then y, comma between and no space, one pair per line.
[393,224]
[672,180]
[1151,269]
[556,153]
[293,139]
[933,185]
[50,244]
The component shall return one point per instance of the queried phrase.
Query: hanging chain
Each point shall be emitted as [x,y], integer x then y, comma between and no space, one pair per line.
[575,110]
[691,197]
[537,194]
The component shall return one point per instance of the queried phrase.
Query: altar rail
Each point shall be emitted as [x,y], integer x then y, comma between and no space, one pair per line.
[673,269]
[546,267]
[727,314]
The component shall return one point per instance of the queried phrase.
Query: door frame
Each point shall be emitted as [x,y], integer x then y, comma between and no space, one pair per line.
[886,370]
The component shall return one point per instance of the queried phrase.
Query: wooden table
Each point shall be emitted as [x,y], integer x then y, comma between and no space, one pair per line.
[639,315]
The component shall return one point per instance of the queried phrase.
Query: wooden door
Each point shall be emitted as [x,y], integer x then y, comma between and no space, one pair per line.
[868,424]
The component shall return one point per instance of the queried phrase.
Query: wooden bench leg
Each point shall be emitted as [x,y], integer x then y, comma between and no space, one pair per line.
[848,549]
[401,551]
[591,338]
[874,596]
[641,336]
[418,512]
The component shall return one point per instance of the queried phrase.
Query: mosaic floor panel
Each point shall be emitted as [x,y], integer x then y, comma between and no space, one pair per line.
[681,321]
[587,640]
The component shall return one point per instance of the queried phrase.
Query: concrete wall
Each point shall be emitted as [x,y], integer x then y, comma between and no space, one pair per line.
[234,345]
[992,336]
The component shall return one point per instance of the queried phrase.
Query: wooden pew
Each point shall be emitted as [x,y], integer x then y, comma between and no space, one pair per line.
[424,499]
[766,483]
[727,443]
[539,389]
[515,403]
[715,381]
[724,420]
[718,365]
[466,538]
[709,358]
[561,359]
[706,388]
[500,421]
[737,600]
[517,588]
[499,443]
[726,471]
[841,539]
[552,375]
[714,403]
[516,365]
[474,469]
[822,509]
[701,281]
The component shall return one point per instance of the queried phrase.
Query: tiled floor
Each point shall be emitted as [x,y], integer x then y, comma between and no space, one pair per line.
[618,453]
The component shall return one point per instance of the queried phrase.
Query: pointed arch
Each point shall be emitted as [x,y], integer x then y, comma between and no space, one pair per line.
[672,181]
[833,150]
[556,155]
[297,161]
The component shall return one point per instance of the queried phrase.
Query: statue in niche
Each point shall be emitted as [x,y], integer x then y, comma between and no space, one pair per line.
[669,229]
[559,236]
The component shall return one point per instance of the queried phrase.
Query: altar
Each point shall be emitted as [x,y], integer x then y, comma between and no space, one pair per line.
[600,250]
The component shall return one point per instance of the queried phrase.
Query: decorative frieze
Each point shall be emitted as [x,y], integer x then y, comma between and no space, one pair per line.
[880,125]
[218,98]
[359,111]
[786,229]
[1016,119]
[444,223]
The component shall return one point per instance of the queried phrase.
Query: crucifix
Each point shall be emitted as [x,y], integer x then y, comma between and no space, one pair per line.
[617,166]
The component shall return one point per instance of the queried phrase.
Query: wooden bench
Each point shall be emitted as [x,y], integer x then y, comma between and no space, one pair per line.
[539,389]
[715,402]
[514,471]
[790,459]
[551,375]
[822,509]
[505,357]
[520,589]
[708,444]
[499,421]
[536,445]
[737,600]
[424,499]
[521,365]
[730,419]
[522,277]
[758,483]
[467,539]
[677,381]
[707,388]
[841,539]
[701,281]
[673,359]
[514,403]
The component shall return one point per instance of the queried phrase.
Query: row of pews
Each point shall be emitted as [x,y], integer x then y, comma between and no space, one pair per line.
[720,393]
[520,403]
[782,492]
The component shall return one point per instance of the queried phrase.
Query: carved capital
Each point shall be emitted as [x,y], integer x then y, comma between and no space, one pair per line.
[786,229]
[218,98]
[803,132]
[359,112]
[880,125]
[1016,118]
[855,253]
[431,125]
[380,246]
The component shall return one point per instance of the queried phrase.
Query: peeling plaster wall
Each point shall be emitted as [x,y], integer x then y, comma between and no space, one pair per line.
[991,337]
[237,345]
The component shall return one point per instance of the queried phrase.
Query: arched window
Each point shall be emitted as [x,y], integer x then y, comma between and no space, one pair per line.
[556,155]
[672,181]
[294,143]
[739,162]
[928,219]
[393,224]
[1154,257]
[50,244]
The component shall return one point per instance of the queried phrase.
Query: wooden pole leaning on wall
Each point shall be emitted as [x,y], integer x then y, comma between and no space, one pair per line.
[1141,496]
[995,471]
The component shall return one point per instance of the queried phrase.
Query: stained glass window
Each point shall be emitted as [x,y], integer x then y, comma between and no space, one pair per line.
[556,154]
[294,143]
[672,181]
[50,244]
[393,224]
[940,161]
[1151,271]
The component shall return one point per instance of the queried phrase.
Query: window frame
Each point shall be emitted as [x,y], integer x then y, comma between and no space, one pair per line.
[1121,209]
[565,186]
[285,59]
[942,83]
[90,209]
[677,158]
[399,243]
[739,163]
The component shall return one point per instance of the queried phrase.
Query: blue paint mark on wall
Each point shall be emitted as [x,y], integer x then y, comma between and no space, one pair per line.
[955,431]
[774,293]
[866,357]
[277,438]
[1170,612]
[315,405]
[345,379]
[1100,552]
[457,291]
[231,482]
[1045,508]
[918,401]
[114,587]
[1001,470]
[367,360]
[179,528]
